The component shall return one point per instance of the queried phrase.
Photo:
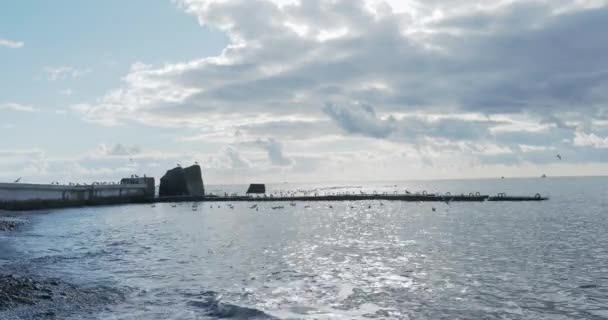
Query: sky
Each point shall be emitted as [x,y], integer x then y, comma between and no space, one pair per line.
[303,91]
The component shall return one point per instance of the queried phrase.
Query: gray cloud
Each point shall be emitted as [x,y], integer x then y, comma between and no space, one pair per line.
[361,119]
[519,58]
[275,152]
[291,129]
[542,61]
[119,149]
[237,161]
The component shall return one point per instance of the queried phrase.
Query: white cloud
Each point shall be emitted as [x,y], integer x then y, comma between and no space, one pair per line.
[287,71]
[11,44]
[17,107]
[472,81]
[64,72]
[582,139]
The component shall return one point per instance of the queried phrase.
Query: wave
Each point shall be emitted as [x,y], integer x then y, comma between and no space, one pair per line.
[213,306]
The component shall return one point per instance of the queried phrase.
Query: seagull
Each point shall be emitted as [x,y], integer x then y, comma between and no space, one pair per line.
[179,165]
[17,181]
[559,157]
[196,163]
[433,209]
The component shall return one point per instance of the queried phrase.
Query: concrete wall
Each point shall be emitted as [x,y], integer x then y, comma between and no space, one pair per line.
[19,192]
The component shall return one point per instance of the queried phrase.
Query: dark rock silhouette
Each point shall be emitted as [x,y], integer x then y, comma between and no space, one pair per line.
[182,182]
[194,181]
[256,188]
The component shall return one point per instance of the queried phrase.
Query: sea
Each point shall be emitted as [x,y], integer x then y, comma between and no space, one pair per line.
[328,260]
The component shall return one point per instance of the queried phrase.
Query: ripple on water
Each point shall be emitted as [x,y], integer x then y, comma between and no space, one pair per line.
[348,261]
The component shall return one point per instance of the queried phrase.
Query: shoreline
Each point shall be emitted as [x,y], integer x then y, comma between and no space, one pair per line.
[27,294]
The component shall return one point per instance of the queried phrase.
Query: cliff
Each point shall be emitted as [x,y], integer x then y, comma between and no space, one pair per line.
[182,182]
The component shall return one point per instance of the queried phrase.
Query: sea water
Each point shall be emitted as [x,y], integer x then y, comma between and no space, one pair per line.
[332,260]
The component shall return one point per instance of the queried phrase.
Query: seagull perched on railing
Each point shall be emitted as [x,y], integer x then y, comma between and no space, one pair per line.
[17,181]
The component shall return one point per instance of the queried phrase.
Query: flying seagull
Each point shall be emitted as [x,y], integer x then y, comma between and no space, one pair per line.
[559,157]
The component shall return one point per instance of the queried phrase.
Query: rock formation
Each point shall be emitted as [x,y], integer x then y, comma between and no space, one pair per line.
[194,181]
[182,182]
[256,188]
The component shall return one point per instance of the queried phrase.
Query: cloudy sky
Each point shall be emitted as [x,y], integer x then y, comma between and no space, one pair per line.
[310,90]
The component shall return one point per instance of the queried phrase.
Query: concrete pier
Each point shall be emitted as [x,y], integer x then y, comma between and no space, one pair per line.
[24,196]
